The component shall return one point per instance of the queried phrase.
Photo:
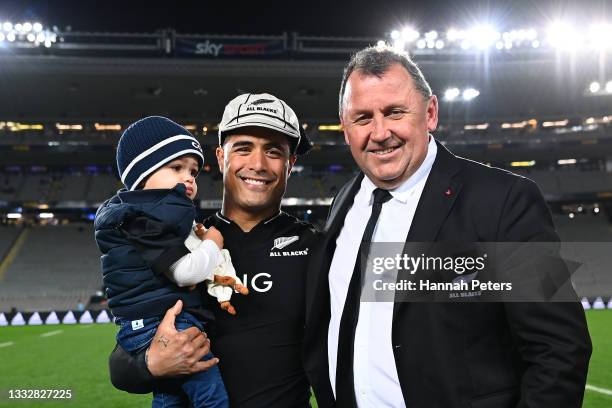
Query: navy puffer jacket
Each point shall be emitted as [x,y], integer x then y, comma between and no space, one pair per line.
[140,234]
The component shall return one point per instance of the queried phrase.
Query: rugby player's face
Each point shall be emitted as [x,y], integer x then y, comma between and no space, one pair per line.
[255,164]
[386,123]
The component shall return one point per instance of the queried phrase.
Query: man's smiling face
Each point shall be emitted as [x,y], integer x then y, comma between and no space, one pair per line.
[386,123]
[255,163]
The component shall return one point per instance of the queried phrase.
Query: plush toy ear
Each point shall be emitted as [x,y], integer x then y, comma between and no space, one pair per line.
[227,306]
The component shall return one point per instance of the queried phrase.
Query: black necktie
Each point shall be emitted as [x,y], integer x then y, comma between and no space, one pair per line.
[345,388]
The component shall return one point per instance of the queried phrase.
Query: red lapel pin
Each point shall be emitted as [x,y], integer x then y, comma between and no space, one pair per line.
[448,192]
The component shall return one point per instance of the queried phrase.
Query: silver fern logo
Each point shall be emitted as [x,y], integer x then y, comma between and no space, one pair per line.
[282,242]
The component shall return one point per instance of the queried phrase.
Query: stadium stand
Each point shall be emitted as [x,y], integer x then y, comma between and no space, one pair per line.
[101,187]
[586,240]
[210,187]
[95,188]
[8,234]
[55,268]
[10,185]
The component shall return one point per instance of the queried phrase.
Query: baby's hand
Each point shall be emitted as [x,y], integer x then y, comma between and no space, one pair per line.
[212,233]
[199,230]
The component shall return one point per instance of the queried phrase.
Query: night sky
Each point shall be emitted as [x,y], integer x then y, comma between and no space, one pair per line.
[332,18]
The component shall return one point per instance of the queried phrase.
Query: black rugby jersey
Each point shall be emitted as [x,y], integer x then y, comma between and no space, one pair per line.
[260,348]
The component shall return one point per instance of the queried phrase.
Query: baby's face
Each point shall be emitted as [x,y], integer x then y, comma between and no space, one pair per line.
[182,170]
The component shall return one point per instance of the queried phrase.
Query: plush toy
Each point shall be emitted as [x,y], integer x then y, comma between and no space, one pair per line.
[225,279]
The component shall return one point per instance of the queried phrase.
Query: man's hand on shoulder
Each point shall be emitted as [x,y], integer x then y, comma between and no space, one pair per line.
[175,353]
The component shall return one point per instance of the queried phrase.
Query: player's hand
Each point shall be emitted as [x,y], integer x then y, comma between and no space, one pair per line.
[230,281]
[173,353]
[212,233]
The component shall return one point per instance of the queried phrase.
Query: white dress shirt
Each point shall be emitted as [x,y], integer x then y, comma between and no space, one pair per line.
[375,375]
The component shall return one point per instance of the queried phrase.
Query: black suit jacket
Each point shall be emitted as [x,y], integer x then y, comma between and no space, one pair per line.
[476,355]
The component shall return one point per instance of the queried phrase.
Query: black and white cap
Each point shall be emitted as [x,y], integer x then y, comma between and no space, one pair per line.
[260,110]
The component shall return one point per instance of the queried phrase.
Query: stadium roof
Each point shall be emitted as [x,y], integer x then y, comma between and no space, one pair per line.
[332,18]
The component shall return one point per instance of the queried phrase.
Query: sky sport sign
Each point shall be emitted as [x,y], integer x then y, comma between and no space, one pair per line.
[210,47]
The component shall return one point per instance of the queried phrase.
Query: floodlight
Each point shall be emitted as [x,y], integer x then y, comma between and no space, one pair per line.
[563,36]
[600,36]
[410,34]
[532,34]
[470,93]
[399,44]
[431,35]
[483,36]
[451,94]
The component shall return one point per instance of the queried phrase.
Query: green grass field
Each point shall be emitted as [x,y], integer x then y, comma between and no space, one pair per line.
[75,358]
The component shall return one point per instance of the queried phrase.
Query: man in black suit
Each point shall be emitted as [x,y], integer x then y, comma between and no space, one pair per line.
[425,354]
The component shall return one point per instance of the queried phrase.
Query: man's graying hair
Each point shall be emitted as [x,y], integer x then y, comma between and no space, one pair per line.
[376,61]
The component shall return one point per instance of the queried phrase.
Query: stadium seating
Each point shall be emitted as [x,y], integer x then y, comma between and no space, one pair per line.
[101,187]
[586,240]
[54,187]
[10,184]
[54,268]
[209,186]
[8,234]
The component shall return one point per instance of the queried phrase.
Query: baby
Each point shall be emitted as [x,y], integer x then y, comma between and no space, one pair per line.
[154,253]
